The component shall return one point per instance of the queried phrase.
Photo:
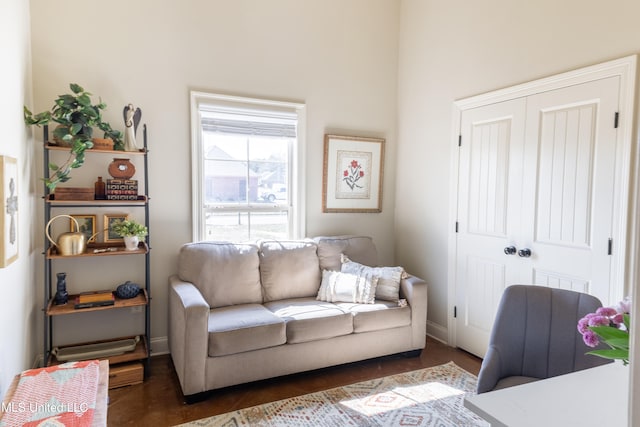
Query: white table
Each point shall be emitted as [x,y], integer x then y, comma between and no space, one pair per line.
[592,397]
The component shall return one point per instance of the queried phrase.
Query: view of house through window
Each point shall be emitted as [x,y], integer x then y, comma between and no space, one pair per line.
[245,155]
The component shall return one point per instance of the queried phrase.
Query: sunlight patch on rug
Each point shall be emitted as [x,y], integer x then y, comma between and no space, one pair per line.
[401,397]
[426,397]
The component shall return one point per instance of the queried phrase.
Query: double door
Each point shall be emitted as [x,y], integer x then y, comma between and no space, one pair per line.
[536,185]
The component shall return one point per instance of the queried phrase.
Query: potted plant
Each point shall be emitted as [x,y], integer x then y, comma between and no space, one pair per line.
[132,232]
[76,117]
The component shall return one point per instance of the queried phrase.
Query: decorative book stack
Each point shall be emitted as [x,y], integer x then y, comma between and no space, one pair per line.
[122,189]
[94,299]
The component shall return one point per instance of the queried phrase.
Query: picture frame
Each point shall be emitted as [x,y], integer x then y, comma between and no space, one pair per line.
[108,220]
[9,214]
[87,225]
[352,174]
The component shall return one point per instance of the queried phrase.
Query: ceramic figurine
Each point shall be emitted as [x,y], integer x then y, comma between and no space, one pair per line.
[131,120]
[61,290]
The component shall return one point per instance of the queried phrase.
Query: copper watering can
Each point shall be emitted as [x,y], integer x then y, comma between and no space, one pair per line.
[70,243]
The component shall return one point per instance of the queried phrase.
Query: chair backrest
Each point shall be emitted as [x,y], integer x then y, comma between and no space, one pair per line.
[535,331]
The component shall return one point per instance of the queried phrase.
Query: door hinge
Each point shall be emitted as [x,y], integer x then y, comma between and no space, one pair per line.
[456,226]
[460,140]
[455,311]
[616,120]
[610,246]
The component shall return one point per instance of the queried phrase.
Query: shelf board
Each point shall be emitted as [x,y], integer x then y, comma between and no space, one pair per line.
[141,352]
[104,248]
[54,147]
[68,308]
[141,201]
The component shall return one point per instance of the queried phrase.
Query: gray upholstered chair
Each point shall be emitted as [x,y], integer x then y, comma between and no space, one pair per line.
[535,336]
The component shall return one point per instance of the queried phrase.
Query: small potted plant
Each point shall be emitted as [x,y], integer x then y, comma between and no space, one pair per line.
[132,232]
[76,116]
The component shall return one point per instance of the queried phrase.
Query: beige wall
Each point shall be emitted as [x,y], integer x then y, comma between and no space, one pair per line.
[340,58]
[19,309]
[455,49]
[452,50]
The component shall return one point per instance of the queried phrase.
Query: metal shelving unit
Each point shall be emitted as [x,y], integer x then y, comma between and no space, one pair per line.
[51,311]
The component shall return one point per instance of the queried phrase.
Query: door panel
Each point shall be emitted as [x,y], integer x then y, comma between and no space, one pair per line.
[567,145]
[489,163]
[555,280]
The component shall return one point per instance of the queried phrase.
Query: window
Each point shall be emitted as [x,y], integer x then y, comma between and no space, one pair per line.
[247,154]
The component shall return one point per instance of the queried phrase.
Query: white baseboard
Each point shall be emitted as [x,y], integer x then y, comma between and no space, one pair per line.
[159,345]
[438,332]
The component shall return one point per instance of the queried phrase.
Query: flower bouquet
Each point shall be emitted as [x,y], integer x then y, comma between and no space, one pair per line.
[610,326]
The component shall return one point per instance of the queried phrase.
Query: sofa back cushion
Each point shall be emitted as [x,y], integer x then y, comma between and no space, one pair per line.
[225,273]
[289,269]
[358,248]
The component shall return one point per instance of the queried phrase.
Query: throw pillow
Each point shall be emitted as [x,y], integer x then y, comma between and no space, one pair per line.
[343,287]
[388,287]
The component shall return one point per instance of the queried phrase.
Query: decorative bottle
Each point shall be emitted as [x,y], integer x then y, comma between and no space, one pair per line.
[61,296]
[99,189]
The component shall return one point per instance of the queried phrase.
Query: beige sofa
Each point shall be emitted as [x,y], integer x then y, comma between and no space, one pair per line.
[246,312]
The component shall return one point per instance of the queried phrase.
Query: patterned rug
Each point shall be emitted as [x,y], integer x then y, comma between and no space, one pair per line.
[426,397]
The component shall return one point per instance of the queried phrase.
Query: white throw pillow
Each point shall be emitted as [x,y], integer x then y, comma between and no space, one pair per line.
[343,287]
[388,287]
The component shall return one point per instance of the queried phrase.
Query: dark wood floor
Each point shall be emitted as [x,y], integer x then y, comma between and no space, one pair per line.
[159,401]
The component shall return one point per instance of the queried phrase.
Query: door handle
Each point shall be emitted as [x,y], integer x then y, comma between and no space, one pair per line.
[510,250]
[524,253]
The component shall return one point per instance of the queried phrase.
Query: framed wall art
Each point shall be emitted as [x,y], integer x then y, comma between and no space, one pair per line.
[9,214]
[87,225]
[352,176]
[109,219]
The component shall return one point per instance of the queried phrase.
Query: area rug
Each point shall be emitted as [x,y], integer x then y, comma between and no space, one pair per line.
[426,397]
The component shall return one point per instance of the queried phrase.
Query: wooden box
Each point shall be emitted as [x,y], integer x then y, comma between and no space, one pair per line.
[74,193]
[125,374]
[102,143]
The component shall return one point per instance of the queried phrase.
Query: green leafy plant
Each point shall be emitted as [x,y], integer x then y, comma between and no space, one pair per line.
[76,117]
[128,228]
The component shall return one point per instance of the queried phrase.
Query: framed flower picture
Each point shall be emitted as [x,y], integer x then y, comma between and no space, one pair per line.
[352,176]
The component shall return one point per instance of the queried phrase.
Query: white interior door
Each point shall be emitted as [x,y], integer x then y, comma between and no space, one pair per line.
[567,214]
[536,178]
[489,220]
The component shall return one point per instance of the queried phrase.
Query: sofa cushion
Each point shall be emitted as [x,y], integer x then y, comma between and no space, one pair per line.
[377,316]
[225,273]
[242,328]
[309,320]
[358,248]
[388,287]
[344,287]
[289,269]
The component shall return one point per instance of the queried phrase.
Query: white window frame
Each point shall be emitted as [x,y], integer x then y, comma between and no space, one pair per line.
[297,226]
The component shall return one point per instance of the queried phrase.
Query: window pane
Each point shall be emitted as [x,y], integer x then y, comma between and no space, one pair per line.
[242,226]
[241,169]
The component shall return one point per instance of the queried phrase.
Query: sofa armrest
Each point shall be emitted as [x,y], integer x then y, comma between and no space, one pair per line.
[414,289]
[188,334]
